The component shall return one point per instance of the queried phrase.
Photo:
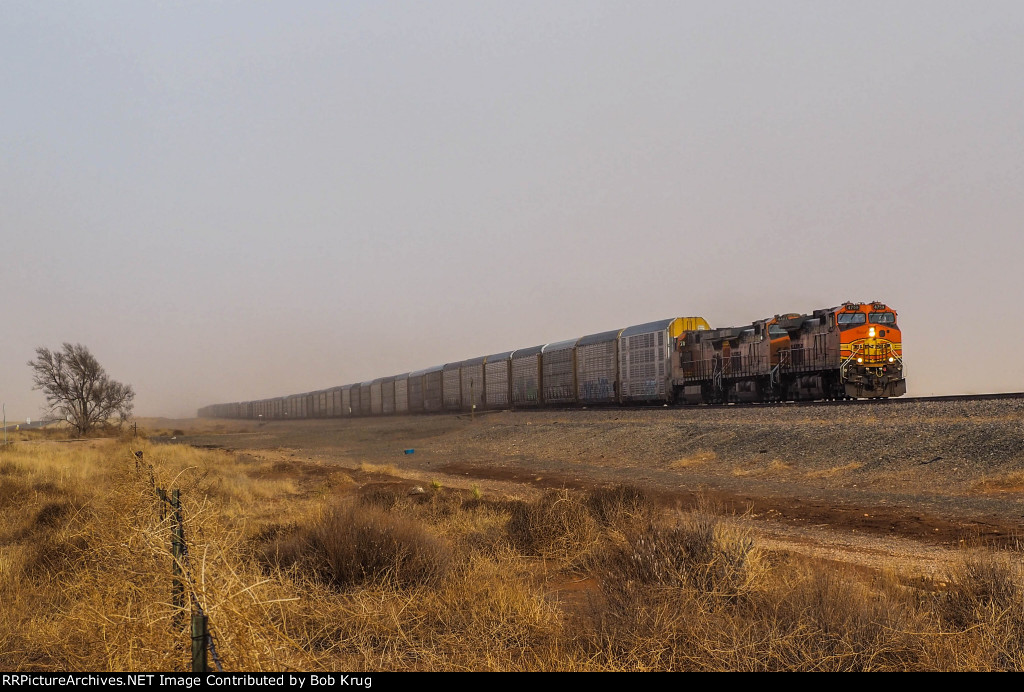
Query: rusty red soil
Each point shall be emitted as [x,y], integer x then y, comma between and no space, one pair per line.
[871,520]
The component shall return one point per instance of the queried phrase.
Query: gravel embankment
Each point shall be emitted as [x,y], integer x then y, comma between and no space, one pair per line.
[968,455]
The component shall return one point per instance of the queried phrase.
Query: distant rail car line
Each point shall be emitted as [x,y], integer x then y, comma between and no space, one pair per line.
[850,352]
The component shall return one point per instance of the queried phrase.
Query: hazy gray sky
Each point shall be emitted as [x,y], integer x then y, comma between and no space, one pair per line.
[238,200]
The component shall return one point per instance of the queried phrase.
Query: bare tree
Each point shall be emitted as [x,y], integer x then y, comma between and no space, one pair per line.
[78,389]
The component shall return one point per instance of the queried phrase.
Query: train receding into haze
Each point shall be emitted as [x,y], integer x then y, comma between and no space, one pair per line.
[851,351]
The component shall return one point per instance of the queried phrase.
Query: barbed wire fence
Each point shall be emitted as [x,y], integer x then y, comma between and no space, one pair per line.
[183,573]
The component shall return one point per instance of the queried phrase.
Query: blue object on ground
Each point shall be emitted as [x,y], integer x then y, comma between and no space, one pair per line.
[410,451]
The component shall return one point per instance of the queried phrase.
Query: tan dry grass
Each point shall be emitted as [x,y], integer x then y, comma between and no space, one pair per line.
[774,466]
[1009,482]
[85,572]
[169,427]
[694,460]
[834,471]
[384,469]
[76,551]
[108,580]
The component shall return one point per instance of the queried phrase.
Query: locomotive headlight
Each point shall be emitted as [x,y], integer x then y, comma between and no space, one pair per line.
[860,360]
[891,359]
[871,331]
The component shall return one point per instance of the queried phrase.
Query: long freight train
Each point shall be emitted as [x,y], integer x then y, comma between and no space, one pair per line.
[851,351]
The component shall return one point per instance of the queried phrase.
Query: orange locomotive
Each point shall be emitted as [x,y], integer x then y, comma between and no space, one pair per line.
[851,351]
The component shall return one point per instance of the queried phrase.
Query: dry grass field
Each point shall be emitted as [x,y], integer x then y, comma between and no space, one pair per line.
[515,542]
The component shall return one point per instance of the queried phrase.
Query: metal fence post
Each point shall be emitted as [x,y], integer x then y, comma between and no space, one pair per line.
[178,551]
[200,631]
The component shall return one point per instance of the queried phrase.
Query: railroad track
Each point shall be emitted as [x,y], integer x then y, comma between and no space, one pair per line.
[683,407]
[961,397]
[759,404]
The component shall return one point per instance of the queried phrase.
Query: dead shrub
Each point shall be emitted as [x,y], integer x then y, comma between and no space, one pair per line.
[699,552]
[826,620]
[280,546]
[9,468]
[52,513]
[557,525]
[491,609]
[368,545]
[982,584]
[352,545]
[385,497]
[491,540]
[985,599]
[441,504]
[677,596]
[697,595]
[11,494]
[621,506]
[53,556]
[51,517]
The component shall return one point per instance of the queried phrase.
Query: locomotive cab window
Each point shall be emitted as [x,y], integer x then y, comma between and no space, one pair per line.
[849,319]
[882,318]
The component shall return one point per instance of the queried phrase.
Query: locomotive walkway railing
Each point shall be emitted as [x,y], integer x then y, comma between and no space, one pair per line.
[740,366]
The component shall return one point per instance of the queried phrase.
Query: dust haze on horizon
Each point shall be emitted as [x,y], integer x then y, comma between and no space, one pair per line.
[232,201]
